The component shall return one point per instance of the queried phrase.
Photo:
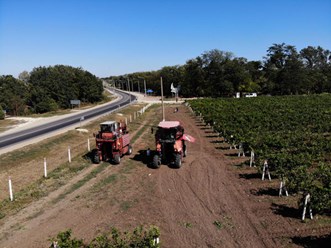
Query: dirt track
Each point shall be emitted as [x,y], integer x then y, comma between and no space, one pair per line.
[209,202]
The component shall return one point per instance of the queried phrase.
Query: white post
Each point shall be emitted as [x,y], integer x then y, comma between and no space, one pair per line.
[10,189]
[130,118]
[266,170]
[69,154]
[156,240]
[307,199]
[282,187]
[126,121]
[241,150]
[88,145]
[45,168]
[252,158]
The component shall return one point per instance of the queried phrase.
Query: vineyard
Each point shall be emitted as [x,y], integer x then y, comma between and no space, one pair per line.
[291,133]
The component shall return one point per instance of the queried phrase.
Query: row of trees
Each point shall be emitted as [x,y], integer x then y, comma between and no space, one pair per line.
[47,89]
[216,73]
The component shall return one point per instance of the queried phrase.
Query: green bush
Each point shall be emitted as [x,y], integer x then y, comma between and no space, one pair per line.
[140,237]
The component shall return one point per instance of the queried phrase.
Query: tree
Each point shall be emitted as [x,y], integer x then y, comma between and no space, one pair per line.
[24,76]
[54,86]
[285,69]
[2,114]
[13,95]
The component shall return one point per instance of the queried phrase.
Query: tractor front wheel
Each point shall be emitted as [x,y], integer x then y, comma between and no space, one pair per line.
[129,152]
[156,162]
[117,158]
[178,160]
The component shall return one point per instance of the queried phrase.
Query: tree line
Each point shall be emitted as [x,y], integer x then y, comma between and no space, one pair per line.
[47,89]
[215,73]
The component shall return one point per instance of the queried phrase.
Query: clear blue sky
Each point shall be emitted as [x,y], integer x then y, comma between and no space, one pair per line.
[113,37]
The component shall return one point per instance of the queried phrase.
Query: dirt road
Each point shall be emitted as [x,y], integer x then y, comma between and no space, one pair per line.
[209,202]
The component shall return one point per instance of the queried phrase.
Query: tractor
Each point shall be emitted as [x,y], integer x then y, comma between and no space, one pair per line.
[112,142]
[170,144]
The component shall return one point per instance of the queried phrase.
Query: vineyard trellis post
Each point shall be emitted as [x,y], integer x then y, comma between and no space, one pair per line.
[266,170]
[241,150]
[307,204]
[252,160]
[282,188]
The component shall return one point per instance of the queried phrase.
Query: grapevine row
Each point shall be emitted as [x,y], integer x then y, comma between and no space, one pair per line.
[293,133]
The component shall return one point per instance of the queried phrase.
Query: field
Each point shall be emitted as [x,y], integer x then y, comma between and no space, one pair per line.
[212,201]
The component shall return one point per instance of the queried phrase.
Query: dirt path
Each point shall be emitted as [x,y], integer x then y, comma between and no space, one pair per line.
[206,203]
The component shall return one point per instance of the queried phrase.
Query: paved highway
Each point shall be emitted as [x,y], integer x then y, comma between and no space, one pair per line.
[16,137]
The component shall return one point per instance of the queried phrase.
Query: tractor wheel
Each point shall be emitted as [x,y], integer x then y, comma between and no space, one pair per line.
[156,162]
[184,151]
[178,160]
[117,158]
[129,152]
[96,158]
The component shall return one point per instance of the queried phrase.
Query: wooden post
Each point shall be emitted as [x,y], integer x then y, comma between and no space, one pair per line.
[163,112]
[266,170]
[88,145]
[45,168]
[126,121]
[69,154]
[11,196]
[130,118]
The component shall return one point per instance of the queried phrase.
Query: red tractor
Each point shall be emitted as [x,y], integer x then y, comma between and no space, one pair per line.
[170,144]
[112,142]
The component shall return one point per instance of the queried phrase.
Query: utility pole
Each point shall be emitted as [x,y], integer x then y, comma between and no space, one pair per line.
[145,86]
[163,113]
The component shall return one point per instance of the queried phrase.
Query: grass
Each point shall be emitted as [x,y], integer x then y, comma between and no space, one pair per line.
[64,171]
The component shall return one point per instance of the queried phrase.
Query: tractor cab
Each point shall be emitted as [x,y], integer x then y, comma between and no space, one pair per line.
[108,126]
[169,131]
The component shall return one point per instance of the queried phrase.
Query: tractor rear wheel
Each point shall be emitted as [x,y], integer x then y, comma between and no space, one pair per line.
[178,160]
[129,152]
[96,158]
[117,158]
[156,162]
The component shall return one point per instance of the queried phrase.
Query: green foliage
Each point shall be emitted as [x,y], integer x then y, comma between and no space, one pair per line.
[64,240]
[54,86]
[214,73]
[13,95]
[293,133]
[47,89]
[2,114]
[140,237]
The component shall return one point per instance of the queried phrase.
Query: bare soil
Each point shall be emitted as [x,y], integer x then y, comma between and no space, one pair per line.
[209,202]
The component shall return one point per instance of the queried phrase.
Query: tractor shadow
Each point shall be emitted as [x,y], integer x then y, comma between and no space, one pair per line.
[266,191]
[89,155]
[142,157]
[313,241]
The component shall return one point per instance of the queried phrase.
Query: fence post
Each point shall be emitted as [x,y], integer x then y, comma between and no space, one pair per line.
[45,168]
[11,196]
[69,154]
[88,145]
